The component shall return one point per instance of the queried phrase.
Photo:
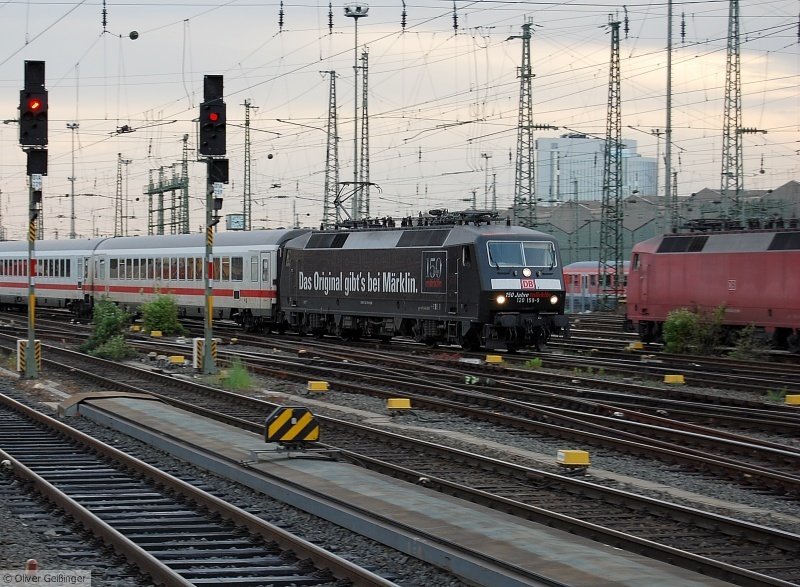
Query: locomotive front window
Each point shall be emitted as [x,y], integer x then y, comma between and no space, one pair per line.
[539,254]
[521,254]
[505,254]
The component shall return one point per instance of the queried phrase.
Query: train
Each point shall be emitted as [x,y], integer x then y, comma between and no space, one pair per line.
[462,281]
[753,275]
[581,281]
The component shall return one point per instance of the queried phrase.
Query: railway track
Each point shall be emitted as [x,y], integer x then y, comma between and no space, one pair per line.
[174,532]
[700,541]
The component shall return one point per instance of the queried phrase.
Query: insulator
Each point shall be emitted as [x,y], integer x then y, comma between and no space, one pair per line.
[683,27]
[280,18]
[455,19]
[330,18]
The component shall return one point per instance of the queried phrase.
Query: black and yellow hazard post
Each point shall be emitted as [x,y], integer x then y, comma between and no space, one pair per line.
[292,427]
[22,355]
[31,371]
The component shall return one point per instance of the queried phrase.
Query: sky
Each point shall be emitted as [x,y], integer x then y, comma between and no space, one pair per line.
[443,92]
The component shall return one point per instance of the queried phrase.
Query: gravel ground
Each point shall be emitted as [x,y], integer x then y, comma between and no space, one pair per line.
[734,501]
[29,540]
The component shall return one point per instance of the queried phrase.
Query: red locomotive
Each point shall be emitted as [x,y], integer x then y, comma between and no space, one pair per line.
[753,275]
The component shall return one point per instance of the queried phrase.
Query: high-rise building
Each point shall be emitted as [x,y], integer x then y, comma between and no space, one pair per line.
[570,167]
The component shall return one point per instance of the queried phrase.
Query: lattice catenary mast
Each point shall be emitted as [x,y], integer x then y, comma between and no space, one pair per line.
[524,197]
[247,197]
[329,217]
[363,172]
[610,252]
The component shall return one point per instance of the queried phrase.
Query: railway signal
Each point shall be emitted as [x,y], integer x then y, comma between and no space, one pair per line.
[212,119]
[33,107]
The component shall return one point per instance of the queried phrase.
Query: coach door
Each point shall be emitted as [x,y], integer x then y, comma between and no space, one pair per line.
[266,285]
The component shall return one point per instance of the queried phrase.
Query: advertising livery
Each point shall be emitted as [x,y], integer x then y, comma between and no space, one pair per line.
[490,286]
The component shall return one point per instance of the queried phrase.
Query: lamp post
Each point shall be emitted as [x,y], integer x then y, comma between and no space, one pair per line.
[356,11]
[73,126]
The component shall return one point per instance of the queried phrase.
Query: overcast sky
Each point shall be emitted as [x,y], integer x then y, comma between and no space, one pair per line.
[443,96]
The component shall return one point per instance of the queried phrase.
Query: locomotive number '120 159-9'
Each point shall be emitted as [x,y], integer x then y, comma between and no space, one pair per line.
[527,297]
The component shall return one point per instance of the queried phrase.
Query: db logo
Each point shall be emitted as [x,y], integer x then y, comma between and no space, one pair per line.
[528,284]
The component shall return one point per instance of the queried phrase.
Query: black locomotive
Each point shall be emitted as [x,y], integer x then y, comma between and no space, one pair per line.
[458,280]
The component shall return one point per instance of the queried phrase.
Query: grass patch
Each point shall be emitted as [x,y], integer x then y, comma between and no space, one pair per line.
[236,377]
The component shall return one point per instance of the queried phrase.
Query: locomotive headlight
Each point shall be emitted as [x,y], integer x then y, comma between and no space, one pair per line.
[526,272]
[501,299]
[554,299]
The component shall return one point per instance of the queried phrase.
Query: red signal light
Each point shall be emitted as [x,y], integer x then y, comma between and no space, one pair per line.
[213,116]
[34,104]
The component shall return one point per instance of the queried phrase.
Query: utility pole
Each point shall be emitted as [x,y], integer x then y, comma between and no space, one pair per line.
[72,126]
[355,11]
[670,196]
[610,253]
[329,215]
[658,133]
[486,157]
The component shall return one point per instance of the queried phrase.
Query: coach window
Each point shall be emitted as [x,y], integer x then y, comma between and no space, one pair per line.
[113,268]
[265,270]
[237,268]
[182,268]
[190,268]
[216,274]
[100,268]
[198,268]
[253,268]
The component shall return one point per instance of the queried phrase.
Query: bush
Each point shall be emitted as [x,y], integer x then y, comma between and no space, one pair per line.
[749,344]
[108,322]
[680,330]
[162,314]
[691,331]
[114,349]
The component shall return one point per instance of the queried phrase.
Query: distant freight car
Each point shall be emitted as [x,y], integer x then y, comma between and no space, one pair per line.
[490,286]
[754,275]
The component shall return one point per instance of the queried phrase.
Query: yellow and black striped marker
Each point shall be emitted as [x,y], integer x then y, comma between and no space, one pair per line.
[291,425]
